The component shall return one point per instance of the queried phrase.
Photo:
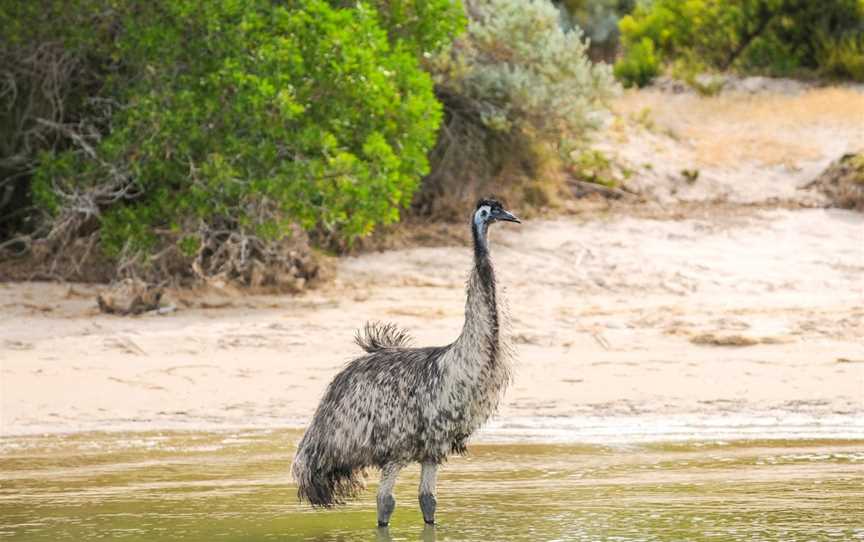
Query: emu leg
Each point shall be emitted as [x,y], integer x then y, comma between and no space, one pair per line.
[428,477]
[386,500]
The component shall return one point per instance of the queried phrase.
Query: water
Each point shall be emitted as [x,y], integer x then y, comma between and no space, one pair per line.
[234,486]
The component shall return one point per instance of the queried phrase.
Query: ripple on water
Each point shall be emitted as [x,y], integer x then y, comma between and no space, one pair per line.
[235,486]
[676,428]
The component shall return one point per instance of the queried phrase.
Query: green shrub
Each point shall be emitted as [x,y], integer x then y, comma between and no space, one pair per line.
[241,118]
[639,66]
[595,167]
[772,37]
[516,79]
[842,57]
[47,84]
[422,27]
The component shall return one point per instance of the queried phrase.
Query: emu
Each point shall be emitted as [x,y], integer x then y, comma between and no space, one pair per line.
[397,405]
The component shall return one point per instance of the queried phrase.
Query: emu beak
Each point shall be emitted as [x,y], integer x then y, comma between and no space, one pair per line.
[507,216]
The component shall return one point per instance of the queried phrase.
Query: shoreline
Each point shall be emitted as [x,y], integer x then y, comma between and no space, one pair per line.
[587,430]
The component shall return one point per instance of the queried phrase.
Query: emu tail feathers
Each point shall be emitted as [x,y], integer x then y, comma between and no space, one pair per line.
[324,485]
[376,336]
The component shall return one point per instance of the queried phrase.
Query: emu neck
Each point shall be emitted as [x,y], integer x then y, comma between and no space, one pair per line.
[480,332]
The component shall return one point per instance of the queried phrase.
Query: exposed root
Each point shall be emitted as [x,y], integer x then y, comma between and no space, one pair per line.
[129,296]
[288,264]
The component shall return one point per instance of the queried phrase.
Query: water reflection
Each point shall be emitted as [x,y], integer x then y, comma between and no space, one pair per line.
[427,535]
[384,534]
[235,486]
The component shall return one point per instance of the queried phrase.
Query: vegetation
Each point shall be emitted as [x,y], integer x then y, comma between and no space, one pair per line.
[843,182]
[517,81]
[207,132]
[595,167]
[640,66]
[842,57]
[176,139]
[598,19]
[773,37]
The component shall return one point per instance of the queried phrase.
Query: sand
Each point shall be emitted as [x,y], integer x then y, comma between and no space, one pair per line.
[744,148]
[725,321]
[746,315]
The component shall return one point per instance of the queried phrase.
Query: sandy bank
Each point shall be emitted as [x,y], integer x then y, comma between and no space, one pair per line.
[753,315]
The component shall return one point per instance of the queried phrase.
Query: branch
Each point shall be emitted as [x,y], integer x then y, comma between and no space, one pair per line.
[765,19]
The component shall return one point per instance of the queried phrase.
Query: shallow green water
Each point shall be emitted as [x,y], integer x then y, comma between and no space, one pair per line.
[235,486]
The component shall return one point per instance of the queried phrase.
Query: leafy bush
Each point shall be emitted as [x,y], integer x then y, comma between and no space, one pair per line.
[422,27]
[516,79]
[640,66]
[232,121]
[842,57]
[46,84]
[774,37]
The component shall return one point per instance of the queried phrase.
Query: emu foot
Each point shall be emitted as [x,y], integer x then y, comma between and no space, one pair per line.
[427,506]
[386,505]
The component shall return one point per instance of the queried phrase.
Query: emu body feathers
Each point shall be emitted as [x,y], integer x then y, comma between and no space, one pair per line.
[396,404]
[377,336]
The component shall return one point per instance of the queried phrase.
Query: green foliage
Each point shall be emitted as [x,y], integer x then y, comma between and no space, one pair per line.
[249,116]
[80,25]
[517,79]
[774,37]
[842,57]
[46,84]
[593,166]
[422,27]
[640,66]
[522,70]
[690,175]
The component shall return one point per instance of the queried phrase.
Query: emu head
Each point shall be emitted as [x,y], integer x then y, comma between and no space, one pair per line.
[489,211]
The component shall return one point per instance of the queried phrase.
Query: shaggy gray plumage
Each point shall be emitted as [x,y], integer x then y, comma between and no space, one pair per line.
[397,405]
